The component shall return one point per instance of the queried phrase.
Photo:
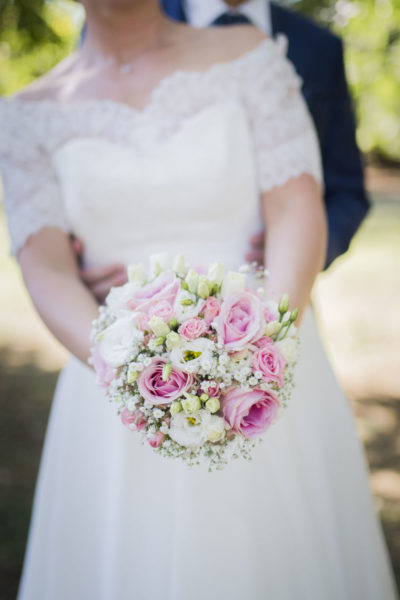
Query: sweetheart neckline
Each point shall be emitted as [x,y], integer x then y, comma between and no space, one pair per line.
[280,43]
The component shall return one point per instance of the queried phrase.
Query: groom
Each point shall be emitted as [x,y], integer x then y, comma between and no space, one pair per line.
[317,55]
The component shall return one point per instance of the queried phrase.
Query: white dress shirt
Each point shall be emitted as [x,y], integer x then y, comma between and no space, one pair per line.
[201,13]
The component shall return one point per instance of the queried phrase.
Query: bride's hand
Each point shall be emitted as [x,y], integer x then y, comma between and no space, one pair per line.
[99,279]
[256,252]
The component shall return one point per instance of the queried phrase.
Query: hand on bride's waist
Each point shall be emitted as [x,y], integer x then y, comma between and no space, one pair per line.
[101,278]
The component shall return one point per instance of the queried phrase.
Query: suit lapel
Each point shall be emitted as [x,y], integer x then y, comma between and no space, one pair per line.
[174,9]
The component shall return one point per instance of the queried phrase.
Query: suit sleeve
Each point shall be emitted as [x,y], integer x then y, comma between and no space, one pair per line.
[345,196]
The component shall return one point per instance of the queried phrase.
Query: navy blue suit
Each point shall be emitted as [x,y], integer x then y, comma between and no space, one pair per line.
[317,55]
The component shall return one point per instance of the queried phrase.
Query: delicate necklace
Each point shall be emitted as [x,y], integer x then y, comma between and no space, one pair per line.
[125,68]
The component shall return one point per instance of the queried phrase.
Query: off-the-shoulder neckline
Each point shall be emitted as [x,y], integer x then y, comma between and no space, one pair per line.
[280,43]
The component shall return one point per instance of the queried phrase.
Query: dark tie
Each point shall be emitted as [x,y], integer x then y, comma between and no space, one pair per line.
[230,18]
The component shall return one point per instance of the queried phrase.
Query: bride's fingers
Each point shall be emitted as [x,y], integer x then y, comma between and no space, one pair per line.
[97,274]
[100,290]
[257,240]
[77,246]
[255,256]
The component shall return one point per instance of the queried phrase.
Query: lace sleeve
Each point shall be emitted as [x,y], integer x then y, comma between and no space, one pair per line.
[32,198]
[284,137]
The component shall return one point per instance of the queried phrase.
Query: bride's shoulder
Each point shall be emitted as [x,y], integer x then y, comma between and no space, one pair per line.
[24,117]
[49,86]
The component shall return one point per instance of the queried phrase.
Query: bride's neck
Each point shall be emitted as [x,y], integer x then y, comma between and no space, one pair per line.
[123,33]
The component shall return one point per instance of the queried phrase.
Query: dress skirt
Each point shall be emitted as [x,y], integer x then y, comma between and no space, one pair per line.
[112,520]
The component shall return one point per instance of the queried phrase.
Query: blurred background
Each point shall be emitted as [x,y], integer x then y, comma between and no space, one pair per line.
[356,300]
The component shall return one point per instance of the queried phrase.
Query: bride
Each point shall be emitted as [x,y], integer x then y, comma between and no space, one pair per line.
[156,136]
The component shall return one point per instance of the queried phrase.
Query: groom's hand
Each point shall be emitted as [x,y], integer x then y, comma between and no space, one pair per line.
[256,252]
[99,279]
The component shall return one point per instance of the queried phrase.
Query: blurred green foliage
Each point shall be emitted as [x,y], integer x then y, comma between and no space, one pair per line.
[36,34]
[371,33]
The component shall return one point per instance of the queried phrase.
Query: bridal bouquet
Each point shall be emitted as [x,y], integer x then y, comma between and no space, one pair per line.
[199,363]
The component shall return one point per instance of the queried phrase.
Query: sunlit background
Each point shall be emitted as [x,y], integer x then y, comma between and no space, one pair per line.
[357,301]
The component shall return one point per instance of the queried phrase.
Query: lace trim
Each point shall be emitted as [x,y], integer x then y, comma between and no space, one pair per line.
[175,98]
[262,80]
[32,197]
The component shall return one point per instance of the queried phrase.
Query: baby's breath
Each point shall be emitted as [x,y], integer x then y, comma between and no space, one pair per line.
[212,373]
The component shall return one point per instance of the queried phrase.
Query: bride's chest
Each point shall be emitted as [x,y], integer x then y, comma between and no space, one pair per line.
[204,169]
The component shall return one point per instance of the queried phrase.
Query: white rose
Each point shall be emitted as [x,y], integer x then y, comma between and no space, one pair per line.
[215,429]
[190,430]
[216,273]
[119,296]
[233,283]
[192,353]
[119,340]
[289,350]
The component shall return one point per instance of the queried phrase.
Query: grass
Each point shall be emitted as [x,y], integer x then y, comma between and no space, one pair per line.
[357,308]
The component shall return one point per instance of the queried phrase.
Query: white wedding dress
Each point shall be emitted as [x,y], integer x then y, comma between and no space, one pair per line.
[111,519]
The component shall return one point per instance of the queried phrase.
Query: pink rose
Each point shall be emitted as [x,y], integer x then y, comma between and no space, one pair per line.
[249,413]
[270,362]
[156,440]
[164,287]
[213,390]
[163,310]
[263,341]
[192,328]
[105,374]
[240,321]
[137,417]
[159,392]
[211,309]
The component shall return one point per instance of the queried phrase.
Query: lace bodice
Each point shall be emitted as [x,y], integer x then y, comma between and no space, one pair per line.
[258,94]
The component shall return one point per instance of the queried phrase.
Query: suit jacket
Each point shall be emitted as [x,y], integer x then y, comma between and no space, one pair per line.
[317,55]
